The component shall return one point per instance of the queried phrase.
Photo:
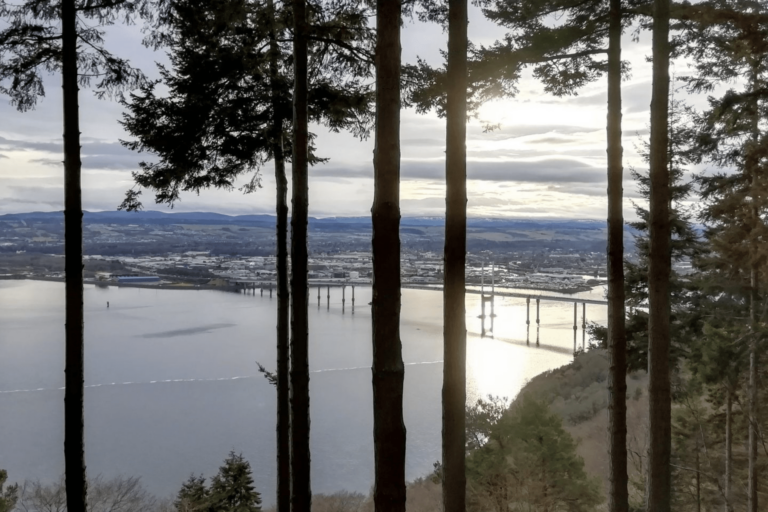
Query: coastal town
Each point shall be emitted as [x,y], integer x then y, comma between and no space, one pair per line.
[561,272]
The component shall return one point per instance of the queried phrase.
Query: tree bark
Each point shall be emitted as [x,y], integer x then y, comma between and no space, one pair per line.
[283,297]
[388,370]
[752,165]
[698,476]
[301,493]
[752,485]
[728,447]
[454,314]
[74,445]
[618,498]
[659,390]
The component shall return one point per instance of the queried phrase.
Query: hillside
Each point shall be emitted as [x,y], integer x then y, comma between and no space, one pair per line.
[578,393]
[154,232]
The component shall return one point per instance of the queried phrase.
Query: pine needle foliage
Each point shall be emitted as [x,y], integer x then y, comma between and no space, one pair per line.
[30,47]
[210,118]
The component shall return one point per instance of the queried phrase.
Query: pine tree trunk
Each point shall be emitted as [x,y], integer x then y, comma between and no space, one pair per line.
[388,370]
[752,164]
[618,499]
[752,483]
[301,493]
[74,446]
[283,297]
[454,315]
[698,476]
[659,390]
[728,447]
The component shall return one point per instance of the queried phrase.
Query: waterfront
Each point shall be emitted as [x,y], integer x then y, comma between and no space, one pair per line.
[172,384]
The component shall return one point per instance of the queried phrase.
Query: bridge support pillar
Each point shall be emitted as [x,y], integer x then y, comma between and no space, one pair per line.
[583,325]
[537,311]
[528,311]
[353,299]
[575,327]
[262,290]
[270,291]
[343,297]
[318,297]
[328,305]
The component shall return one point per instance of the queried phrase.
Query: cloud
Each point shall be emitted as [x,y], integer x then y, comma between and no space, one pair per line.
[95,153]
[523,130]
[552,170]
[558,170]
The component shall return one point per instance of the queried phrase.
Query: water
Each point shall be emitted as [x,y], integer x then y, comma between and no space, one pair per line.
[172,384]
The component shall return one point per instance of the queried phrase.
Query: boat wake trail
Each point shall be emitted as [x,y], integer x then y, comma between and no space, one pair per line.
[218,379]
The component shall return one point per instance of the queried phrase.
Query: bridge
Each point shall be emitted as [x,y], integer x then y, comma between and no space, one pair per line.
[487,297]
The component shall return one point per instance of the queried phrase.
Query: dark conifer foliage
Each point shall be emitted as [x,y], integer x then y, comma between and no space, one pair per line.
[228,111]
[728,48]
[193,495]
[229,89]
[66,37]
[231,490]
[685,245]
[8,494]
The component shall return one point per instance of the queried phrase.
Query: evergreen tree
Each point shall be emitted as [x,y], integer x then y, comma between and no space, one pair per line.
[658,491]
[228,111]
[685,245]
[193,495]
[455,255]
[733,137]
[9,495]
[301,491]
[525,460]
[566,56]
[719,363]
[282,380]
[232,489]
[388,370]
[66,36]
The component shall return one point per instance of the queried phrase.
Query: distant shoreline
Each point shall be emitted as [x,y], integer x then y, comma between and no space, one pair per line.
[180,286]
[192,286]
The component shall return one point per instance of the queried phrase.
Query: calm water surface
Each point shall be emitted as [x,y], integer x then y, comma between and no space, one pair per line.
[172,386]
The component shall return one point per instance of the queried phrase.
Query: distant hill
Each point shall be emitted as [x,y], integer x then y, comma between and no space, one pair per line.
[157,232]
[158,217]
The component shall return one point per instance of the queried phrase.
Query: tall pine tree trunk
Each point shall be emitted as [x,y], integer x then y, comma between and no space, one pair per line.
[618,499]
[752,164]
[698,475]
[728,447]
[283,297]
[454,315]
[752,482]
[659,390]
[388,370]
[301,493]
[74,450]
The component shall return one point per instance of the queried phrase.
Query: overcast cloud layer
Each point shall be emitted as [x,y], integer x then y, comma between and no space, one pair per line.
[547,159]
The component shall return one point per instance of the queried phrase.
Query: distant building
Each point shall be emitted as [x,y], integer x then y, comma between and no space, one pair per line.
[137,279]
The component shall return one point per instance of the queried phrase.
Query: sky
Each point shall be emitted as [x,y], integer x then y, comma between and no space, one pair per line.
[547,159]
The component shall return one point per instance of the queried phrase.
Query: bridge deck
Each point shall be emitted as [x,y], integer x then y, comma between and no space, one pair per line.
[413,286]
